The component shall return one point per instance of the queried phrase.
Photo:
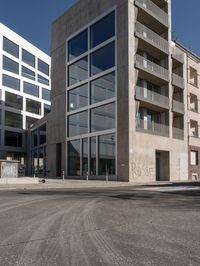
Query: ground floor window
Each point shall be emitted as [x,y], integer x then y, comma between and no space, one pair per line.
[38,162]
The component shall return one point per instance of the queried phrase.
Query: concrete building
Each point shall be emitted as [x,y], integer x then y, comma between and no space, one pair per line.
[119,98]
[24,92]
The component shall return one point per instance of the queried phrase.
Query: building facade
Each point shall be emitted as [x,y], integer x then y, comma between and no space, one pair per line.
[24,92]
[119,97]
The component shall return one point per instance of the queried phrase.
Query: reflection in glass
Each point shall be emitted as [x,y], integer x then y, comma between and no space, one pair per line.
[42,134]
[10,47]
[41,162]
[43,80]
[43,67]
[30,121]
[13,119]
[93,159]
[78,45]
[28,58]
[78,97]
[74,158]
[35,163]
[78,124]
[33,106]
[11,82]
[78,71]
[34,137]
[47,109]
[85,157]
[13,100]
[10,65]
[31,89]
[27,73]
[45,94]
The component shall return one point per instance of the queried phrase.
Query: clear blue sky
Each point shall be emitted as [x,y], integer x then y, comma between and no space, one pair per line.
[32,19]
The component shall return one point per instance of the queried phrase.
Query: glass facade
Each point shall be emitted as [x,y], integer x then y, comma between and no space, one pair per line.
[10,47]
[78,71]
[78,124]
[78,45]
[43,80]
[13,100]
[27,73]
[33,106]
[42,134]
[43,67]
[13,139]
[13,119]
[28,58]
[11,82]
[47,109]
[30,121]
[31,89]
[78,97]
[46,94]
[74,156]
[10,65]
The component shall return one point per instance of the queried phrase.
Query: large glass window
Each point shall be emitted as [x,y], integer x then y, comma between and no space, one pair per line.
[45,94]
[41,162]
[93,159]
[42,134]
[13,139]
[47,109]
[103,30]
[10,65]
[11,82]
[13,119]
[107,154]
[43,80]
[33,106]
[31,89]
[35,163]
[103,88]
[103,59]
[28,58]
[78,45]
[34,137]
[10,47]
[13,100]
[78,97]
[74,158]
[27,73]
[85,157]
[78,71]
[103,117]
[30,121]
[78,124]
[43,67]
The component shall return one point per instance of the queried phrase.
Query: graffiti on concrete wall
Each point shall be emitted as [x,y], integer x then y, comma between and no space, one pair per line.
[141,170]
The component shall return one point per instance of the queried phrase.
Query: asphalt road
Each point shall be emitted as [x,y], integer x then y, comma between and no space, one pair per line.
[104,226]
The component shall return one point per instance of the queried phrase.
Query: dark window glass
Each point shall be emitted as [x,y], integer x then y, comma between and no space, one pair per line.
[93,158]
[27,73]
[78,97]
[46,94]
[74,158]
[30,121]
[43,67]
[35,163]
[103,88]
[0,117]
[13,100]
[103,117]
[13,119]
[10,47]
[13,139]
[42,134]
[11,82]
[78,124]
[47,109]
[85,157]
[103,30]
[34,137]
[10,65]
[78,45]
[41,162]
[31,89]
[78,71]
[107,154]
[43,80]
[28,58]
[103,59]
[33,106]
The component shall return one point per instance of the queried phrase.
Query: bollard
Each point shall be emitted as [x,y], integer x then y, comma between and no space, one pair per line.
[63,175]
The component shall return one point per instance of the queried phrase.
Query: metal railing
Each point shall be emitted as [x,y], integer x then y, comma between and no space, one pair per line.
[178,81]
[178,107]
[154,10]
[150,96]
[151,37]
[177,54]
[178,133]
[157,70]
[152,127]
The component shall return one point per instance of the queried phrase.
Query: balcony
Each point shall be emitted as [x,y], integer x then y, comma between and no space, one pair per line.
[178,81]
[151,97]
[177,55]
[151,37]
[178,107]
[153,10]
[152,68]
[152,127]
[178,133]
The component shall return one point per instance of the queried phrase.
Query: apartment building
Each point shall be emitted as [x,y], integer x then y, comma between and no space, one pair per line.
[119,98]
[24,92]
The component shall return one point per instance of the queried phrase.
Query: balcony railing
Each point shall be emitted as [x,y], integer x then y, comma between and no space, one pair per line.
[178,133]
[178,81]
[178,107]
[149,66]
[151,37]
[152,127]
[153,10]
[177,54]
[151,97]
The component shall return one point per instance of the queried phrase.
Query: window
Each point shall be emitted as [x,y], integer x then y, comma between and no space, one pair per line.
[85,157]
[33,106]
[13,139]
[45,94]
[11,82]
[47,109]
[28,58]
[78,124]
[103,88]
[43,67]
[27,73]
[10,47]
[103,117]
[103,59]
[30,121]
[43,80]
[194,157]
[193,76]
[31,89]
[74,158]
[93,159]
[103,30]
[42,134]
[13,100]
[10,65]
[78,45]
[13,120]
[78,97]
[34,137]
[78,71]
